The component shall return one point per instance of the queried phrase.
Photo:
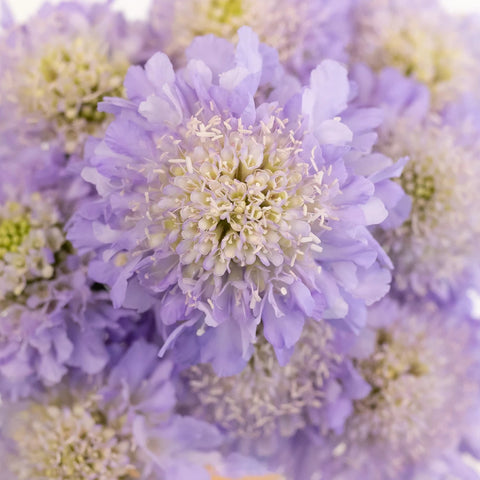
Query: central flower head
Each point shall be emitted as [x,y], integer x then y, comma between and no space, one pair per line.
[239,196]
[233,206]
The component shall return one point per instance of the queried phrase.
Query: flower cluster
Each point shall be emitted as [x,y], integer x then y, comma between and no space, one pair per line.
[238,241]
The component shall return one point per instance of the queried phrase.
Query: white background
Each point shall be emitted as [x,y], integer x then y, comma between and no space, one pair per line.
[137,9]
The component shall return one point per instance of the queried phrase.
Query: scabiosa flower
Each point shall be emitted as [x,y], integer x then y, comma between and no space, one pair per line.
[419,39]
[116,426]
[303,33]
[225,213]
[51,318]
[434,250]
[263,409]
[69,442]
[421,361]
[57,67]
[439,240]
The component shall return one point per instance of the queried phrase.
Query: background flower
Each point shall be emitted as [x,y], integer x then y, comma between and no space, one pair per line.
[117,425]
[264,409]
[421,362]
[58,66]
[421,40]
[434,248]
[303,33]
[52,316]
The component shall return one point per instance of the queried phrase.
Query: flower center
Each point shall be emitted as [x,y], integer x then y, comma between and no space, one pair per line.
[390,362]
[418,181]
[404,383]
[30,241]
[13,230]
[225,11]
[64,85]
[241,195]
[69,443]
[265,396]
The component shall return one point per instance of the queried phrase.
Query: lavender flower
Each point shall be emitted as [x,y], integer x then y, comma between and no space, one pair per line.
[226,212]
[57,67]
[51,319]
[303,33]
[435,249]
[420,40]
[266,408]
[118,425]
[422,364]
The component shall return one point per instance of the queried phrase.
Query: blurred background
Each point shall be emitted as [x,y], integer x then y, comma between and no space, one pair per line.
[138,9]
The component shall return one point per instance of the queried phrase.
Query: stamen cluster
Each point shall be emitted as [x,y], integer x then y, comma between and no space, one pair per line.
[238,197]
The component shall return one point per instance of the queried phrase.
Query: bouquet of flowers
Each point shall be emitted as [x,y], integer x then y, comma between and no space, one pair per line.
[239,240]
